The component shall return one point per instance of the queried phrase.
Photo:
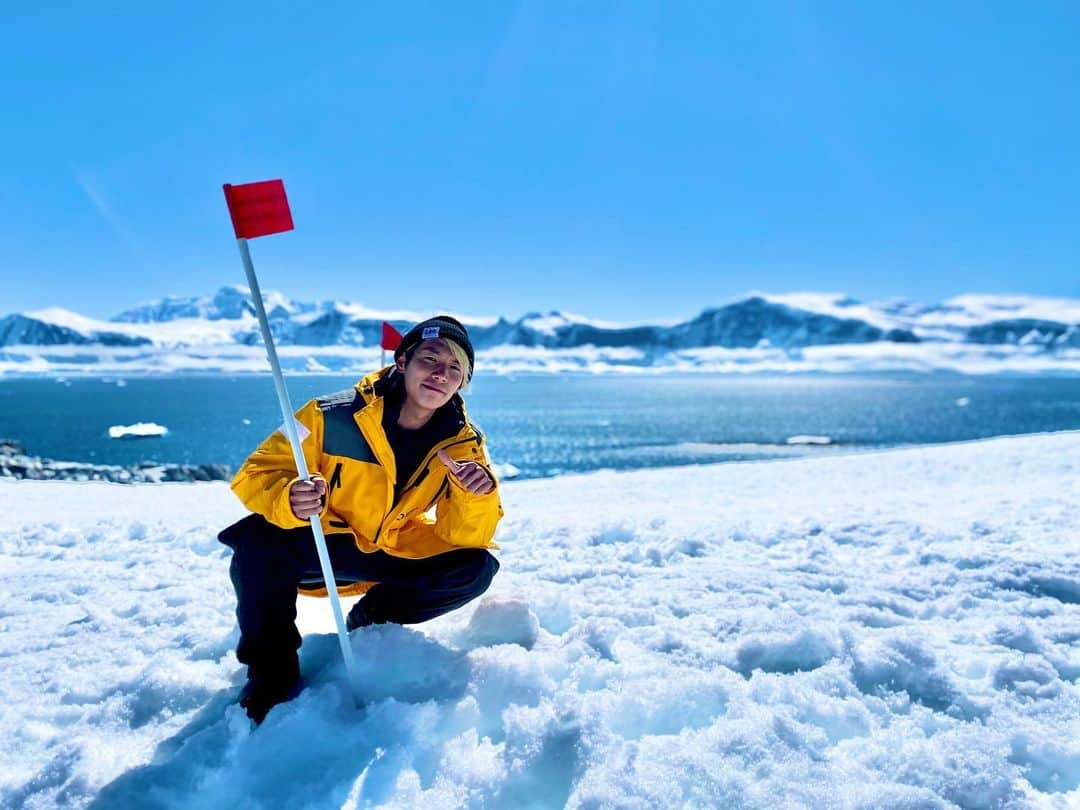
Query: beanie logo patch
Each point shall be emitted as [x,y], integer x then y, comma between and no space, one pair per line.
[430,333]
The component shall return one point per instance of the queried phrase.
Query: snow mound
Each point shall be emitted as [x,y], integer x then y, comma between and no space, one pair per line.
[501,621]
[784,652]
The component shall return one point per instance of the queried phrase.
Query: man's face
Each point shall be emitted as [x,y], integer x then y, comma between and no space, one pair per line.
[433,375]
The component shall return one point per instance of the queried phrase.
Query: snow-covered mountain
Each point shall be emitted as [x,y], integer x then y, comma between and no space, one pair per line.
[51,328]
[230,303]
[797,331]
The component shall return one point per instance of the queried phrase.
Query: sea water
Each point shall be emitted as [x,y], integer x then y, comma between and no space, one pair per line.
[545,425]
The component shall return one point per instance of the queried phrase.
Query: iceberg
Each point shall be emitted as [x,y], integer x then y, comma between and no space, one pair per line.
[140,430]
[822,440]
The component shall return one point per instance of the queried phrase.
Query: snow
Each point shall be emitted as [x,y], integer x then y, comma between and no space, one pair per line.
[138,430]
[549,324]
[361,312]
[181,332]
[73,320]
[897,629]
[972,308]
[946,321]
[838,305]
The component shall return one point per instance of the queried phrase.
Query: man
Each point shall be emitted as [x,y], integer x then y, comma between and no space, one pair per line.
[383,455]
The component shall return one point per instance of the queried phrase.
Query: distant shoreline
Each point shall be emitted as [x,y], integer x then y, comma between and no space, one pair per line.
[16,464]
[644,372]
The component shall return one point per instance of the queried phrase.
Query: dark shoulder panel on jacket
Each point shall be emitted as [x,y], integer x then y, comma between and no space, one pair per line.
[477,431]
[341,434]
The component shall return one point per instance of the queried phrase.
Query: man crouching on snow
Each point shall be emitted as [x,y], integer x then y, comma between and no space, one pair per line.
[386,452]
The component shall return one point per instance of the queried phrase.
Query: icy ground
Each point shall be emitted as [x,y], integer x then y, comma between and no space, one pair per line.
[890,630]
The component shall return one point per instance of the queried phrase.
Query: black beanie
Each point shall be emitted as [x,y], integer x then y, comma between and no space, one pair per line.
[441,326]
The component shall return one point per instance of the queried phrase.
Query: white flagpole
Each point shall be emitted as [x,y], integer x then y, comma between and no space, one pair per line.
[301,468]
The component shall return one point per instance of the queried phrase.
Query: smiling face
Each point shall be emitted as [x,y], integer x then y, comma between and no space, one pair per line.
[432,376]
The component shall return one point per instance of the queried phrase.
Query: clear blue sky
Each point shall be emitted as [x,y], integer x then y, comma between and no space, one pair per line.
[622,160]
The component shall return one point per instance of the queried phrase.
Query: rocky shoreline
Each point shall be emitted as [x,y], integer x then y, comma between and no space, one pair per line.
[16,463]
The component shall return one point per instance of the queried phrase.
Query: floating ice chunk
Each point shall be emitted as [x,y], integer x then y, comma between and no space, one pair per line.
[140,430]
[809,440]
[963,402]
[505,470]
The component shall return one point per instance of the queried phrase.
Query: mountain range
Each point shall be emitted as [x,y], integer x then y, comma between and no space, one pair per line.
[753,327]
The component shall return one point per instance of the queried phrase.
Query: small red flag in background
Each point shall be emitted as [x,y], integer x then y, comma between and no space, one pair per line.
[391,337]
[258,209]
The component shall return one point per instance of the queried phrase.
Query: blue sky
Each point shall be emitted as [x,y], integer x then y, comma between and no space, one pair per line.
[621,160]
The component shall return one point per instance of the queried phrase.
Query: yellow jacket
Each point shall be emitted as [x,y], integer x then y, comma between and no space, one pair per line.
[348,446]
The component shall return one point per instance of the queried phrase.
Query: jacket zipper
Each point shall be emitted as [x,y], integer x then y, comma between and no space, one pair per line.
[414,479]
[417,476]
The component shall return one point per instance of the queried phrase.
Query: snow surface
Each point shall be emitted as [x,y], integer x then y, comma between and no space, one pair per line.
[896,629]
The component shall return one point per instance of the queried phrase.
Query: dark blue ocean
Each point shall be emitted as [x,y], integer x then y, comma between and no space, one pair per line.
[547,425]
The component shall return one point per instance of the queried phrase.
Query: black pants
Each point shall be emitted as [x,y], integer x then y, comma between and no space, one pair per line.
[269,562]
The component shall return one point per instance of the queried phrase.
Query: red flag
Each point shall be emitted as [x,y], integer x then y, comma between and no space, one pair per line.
[391,337]
[258,209]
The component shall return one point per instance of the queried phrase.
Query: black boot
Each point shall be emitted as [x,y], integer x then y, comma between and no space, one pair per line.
[259,697]
[358,617]
[267,687]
